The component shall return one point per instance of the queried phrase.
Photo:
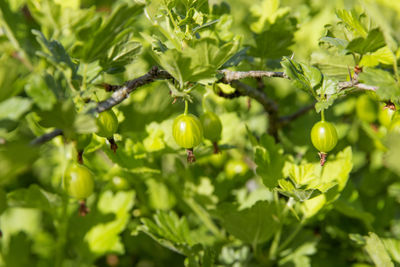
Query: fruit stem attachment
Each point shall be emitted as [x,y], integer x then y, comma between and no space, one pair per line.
[83,209]
[322,115]
[80,156]
[113,144]
[190,155]
[322,157]
[216,148]
[186,107]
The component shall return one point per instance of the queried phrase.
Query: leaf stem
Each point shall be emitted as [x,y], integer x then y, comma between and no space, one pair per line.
[291,236]
[204,217]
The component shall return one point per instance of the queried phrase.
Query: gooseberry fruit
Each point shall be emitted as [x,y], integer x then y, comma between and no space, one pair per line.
[324,138]
[107,125]
[235,167]
[82,141]
[188,133]
[212,128]
[79,184]
[386,115]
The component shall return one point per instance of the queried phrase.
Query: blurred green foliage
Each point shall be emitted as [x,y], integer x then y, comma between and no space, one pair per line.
[261,201]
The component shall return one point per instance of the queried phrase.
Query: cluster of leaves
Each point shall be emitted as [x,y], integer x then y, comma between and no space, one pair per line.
[263,201]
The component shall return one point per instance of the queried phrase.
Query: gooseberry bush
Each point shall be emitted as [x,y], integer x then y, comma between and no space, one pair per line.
[199,133]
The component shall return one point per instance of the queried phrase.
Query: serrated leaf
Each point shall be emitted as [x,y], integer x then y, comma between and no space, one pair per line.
[33,197]
[268,12]
[381,56]
[37,89]
[371,43]
[340,44]
[120,55]
[253,225]
[274,41]
[55,53]
[105,237]
[112,30]
[198,63]
[14,107]
[62,116]
[329,87]
[169,230]
[387,87]
[352,20]
[324,104]
[305,77]
[269,160]
[392,155]
[13,162]
[393,248]
[376,250]
[85,123]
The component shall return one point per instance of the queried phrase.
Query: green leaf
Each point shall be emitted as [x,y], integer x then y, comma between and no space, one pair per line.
[37,89]
[13,161]
[268,12]
[105,237]
[305,77]
[3,200]
[120,55]
[253,225]
[169,230]
[351,18]
[198,63]
[388,88]
[159,195]
[13,108]
[376,250]
[393,153]
[340,44]
[274,41]
[371,43]
[61,116]
[85,123]
[269,160]
[328,92]
[55,54]
[112,30]
[393,248]
[381,56]
[33,197]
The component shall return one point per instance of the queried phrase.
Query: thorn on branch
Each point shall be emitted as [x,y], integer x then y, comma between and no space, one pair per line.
[46,137]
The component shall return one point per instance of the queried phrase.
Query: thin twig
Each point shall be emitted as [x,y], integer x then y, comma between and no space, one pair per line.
[354,83]
[260,96]
[46,137]
[122,93]
[230,76]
